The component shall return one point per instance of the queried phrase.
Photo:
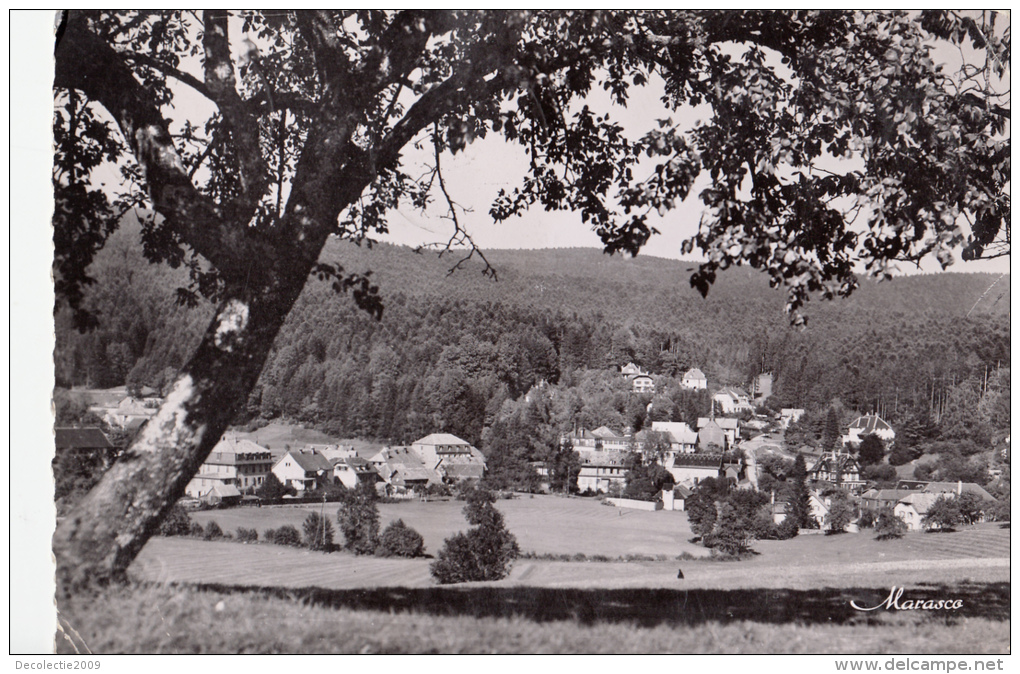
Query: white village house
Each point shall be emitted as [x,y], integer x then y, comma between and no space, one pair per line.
[869,424]
[233,462]
[454,459]
[303,469]
[694,379]
[733,400]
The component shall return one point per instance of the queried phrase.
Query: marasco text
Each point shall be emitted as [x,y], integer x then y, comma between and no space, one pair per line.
[893,601]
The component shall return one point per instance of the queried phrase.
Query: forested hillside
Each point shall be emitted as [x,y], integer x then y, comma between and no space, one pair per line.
[450,349]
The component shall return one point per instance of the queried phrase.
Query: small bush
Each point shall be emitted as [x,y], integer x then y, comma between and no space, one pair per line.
[400,540]
[196,530]
[287,535]
[787,529]
[247,535]
[888,525]
[269,535]
[176,523]
[212,531]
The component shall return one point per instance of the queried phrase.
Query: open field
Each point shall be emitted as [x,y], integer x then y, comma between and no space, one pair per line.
[543,524]
[557,525]
[171,560]
[160,619]
[793,597]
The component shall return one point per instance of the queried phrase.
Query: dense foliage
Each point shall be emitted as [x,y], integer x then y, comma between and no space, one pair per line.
[455,354]
[485,552]
[318,532]
[400,540]
[888,525]
[942,515]
[358,517]
[176,523]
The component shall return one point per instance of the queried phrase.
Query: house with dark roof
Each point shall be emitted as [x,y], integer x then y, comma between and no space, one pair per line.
[81,440]
[870,424]
[958,489]
[401,468]
[838,469]
[876,499]
[350,471]
[693,468]
[303,469]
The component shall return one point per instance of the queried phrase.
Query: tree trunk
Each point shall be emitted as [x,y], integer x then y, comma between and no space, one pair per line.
[97,543]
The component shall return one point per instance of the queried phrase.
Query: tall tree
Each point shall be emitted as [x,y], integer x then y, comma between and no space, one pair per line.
[800,509]
[313,112]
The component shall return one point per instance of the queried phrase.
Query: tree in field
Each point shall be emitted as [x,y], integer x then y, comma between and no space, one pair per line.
[733,531]
[971,507]
[400,540]
[358,517]
[835,141]
[871,450]
[318,532]
[888,525]
[485,552]
[701,514]
[942,515]
[841,513]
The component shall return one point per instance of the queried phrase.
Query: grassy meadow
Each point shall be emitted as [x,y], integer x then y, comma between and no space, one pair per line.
[190,595]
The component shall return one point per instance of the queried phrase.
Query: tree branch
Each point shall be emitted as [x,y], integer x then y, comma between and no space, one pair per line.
[89,64]
[222,88]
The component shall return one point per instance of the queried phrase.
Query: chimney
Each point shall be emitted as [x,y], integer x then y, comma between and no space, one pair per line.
[959,487]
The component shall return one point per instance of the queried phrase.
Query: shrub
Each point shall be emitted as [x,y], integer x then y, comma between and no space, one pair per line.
[867,519]
[358,517]
[247,535]
[903,454]
[787,529]
[318,532]
[271,489]
[196,530]
[400,540]
[287,535]
[733,533]
[465,489]
[176,523]
[485,552]
[888,526]
[269,535]
[212,531]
